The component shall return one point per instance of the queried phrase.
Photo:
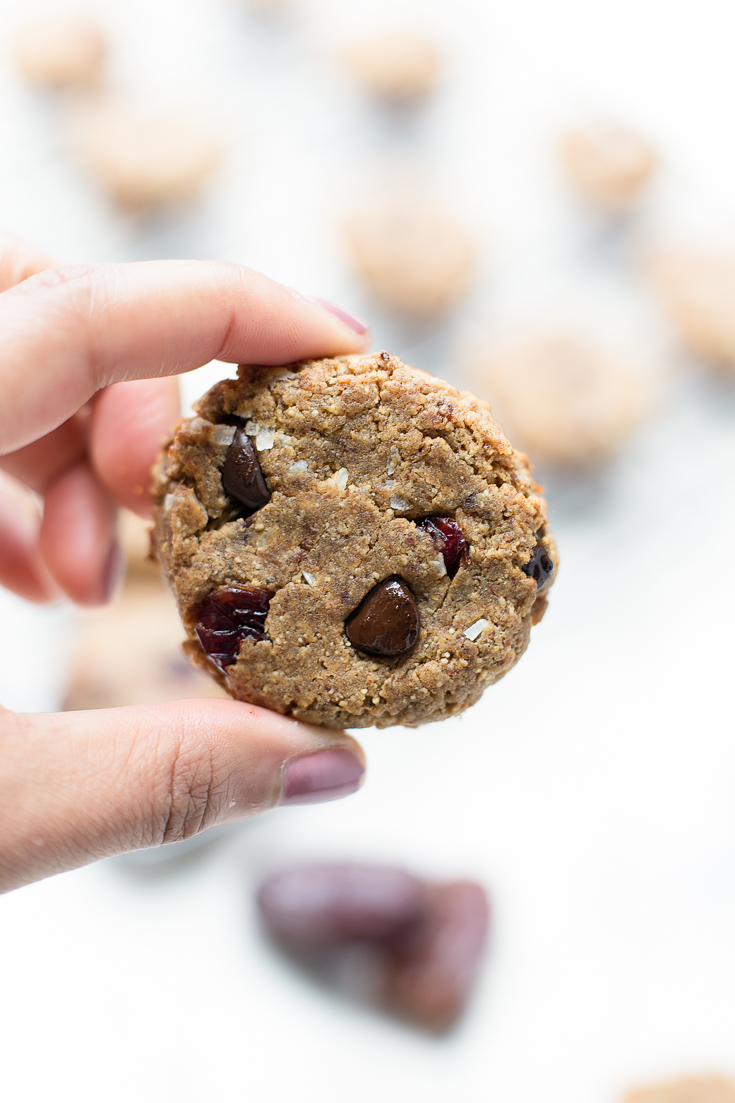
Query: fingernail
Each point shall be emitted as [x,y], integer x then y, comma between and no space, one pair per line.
[355,324]
[319,777]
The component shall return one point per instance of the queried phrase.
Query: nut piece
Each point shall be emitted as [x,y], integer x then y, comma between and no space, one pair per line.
[396,65]
[411,254]
[315,905]
[690,1089]
[698,291]
[567,402]
[608,165]
[143,159]
[64,51]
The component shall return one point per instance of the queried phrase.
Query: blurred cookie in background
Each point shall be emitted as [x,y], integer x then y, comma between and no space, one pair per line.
[697,291]
[64,51]
[567,402]
[425,940]
[129,652]
[143,159]
[410,253]
[689,1089]
[395,65]
[609,166]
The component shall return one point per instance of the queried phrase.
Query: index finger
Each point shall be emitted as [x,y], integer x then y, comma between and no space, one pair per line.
[71,331]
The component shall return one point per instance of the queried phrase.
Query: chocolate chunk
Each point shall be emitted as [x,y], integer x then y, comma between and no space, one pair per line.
[449,540]
[315,905]
[229,616]
[241,473]
[540,566]
[386,622]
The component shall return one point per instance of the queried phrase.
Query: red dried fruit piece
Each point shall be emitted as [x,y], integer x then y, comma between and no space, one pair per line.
[318,905]
[433,968]
[229,616]
[449,540]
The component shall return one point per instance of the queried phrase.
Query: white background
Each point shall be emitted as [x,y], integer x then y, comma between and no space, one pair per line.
[593,790]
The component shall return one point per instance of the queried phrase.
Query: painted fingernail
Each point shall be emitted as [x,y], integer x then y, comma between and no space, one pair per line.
[355,324]
[322,776]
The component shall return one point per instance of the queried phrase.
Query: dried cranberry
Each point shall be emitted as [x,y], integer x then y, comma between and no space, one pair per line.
[229,616]
[449,540]
[540,566]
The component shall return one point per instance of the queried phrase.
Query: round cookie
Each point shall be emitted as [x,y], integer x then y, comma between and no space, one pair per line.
[143,159]
[66,51]
[697,290]
[608,165]
[567,402]
[396,65]
[410,253]
[690,1089]
[388,499]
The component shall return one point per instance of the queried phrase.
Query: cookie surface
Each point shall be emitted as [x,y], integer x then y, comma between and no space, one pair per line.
[696,288]
[387,490]
[690,1089]
[608,165]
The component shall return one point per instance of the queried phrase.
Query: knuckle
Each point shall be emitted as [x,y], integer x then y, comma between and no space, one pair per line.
[193,797]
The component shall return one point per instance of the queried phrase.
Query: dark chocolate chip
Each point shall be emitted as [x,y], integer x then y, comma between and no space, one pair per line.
[241,474]
[449,540]
[540,566]
[229,616]
[386,622]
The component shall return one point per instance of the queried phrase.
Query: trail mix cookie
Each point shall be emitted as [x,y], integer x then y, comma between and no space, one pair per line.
[690,1089]
[567,402]
[411,253]
[351,541]
[66,51]
[608,165]
[697,289]
[396,65]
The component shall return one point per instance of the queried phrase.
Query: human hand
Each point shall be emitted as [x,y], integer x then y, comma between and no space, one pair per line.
[88,356]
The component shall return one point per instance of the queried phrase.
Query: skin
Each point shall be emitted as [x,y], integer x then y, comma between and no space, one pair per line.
[89,356]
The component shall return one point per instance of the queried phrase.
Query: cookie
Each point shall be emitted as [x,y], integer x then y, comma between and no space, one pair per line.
[351,541]
[396,65]
[567,402]
[690,1089]
[410,253]
[65,51]
[607,165]
[143,160]
[697,290]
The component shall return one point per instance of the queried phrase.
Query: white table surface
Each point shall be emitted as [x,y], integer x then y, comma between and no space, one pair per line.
[593,790]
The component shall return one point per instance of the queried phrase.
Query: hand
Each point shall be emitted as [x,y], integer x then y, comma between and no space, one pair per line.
[88,353]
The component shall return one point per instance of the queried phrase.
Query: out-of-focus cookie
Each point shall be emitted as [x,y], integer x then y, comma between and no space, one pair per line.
[395,65]
[66,51]
[689,1089]
[143,160]
[351,541]
[697,289]
[411,253]
[566,402]
[610,166]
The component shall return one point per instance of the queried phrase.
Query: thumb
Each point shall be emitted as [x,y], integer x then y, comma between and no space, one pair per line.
[79,786]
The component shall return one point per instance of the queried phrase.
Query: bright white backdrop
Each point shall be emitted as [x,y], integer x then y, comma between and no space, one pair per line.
[593,790]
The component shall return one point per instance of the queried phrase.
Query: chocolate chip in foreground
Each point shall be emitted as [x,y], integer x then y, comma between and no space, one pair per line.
[449,540]
[386,622]
[540,566]
[229,616]
[241,473]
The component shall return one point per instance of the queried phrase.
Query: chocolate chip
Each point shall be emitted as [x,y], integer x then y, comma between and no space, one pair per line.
[540,566]
[241,474]
[229,616]
[449,540]
[386,622]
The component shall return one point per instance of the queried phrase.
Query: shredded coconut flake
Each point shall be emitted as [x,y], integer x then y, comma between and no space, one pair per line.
[340,478]
[168,502]
[476,629]
[265,439]
[300,465]
[397,502]
[440,564]
[199,423]
[281,373]
[393,460]
[224,435]
[309,577]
